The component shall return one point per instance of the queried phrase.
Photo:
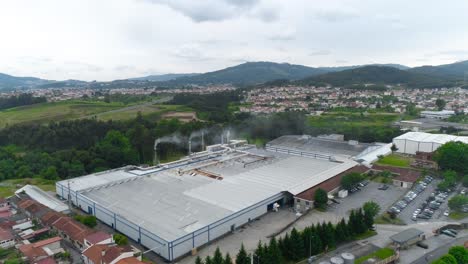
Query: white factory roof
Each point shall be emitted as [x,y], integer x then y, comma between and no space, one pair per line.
[427,137]
[178,201]
[44,198]
[98,179]
[373,153]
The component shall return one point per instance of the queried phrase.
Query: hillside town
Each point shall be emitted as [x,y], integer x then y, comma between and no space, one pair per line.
[311,99]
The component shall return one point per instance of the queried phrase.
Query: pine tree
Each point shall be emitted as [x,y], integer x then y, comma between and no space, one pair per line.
[342,232]
[352,225]
[317,246]
[227,259]
[198,260]
[330,231]
[259,254]
[297,246]
[273,255]
[321,230]
[208,260]
[242,257]
[361,225]
[286,249]
[218,257]
[307,240]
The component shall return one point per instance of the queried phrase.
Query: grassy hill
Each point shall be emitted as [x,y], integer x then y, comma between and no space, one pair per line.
[251,73]
[454,70]
[73,109]
[377,75]
[10,82]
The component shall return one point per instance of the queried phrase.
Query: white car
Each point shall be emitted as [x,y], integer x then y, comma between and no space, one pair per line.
[446,213]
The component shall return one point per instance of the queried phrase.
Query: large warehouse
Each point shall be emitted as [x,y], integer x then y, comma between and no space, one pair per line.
[412,142]
[179,206]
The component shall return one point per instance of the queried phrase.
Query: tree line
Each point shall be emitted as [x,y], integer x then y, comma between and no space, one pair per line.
[298,245]
[74,148]
[20,100]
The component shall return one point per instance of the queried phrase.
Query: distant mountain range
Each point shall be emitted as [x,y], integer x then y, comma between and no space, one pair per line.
[8,81]
[379,75]
[253,73]
[163,77]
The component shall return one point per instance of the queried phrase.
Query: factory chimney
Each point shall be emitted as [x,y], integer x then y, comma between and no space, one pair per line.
[190,147]
[155,159]
[202,140]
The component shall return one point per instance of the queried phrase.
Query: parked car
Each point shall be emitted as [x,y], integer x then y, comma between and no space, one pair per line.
[448,233]
[422,245]
[446,213]
[423,216]
[383,187]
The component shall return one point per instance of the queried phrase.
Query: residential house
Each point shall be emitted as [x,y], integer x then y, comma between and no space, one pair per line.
[98,237]
[108,254]
[42,249]
[7,240]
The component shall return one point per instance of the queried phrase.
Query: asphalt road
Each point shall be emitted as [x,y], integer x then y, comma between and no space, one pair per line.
[440,250]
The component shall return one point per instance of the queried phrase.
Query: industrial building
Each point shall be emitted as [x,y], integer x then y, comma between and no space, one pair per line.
[444,114]
[412,142]
[176,207]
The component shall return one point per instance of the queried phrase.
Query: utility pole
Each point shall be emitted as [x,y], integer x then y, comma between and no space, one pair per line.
[202,140]
[69,197]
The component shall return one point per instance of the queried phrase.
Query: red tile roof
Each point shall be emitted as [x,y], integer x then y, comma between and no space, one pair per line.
[97,237]
[47,241]
[131,260]
[5,234]
[403,174]
[31,252]
[105,253]
[35,250]
[50,217]
[48,260]
[94,253]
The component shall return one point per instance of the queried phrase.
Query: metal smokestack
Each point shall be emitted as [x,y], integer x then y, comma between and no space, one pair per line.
[202,140]
[155,159]
[190,147]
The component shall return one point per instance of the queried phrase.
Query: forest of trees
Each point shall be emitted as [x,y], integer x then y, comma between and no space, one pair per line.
[298,245]
[20,100]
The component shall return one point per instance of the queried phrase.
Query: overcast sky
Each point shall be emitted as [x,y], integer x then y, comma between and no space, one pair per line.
[115,39]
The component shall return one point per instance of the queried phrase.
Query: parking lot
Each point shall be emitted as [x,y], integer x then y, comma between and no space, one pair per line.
[371,192]
[407,213]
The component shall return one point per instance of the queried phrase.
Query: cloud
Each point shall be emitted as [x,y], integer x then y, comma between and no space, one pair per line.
[283,35]
[191,52]
[342,61]
[336,15]
[320,53]
[219,10]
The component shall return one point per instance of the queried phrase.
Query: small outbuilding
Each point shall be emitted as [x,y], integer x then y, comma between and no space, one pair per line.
[408,237]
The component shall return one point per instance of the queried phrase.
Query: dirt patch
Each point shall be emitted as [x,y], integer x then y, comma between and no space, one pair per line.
[181,116]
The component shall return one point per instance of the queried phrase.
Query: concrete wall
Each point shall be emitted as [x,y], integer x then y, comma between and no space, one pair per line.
[411,147]
[402,184]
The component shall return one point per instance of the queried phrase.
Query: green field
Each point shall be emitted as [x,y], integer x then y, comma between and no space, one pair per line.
[458,215]
[74,109]
[380,254]
[152,112]
[395,160]
[331,119]
[54,111]
[8,187]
